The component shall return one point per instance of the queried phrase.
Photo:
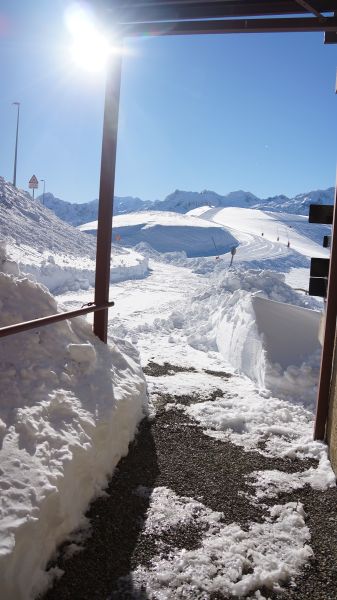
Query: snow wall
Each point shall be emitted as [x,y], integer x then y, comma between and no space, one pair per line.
[274,343]
[262,327]
[61,273]
[69,407]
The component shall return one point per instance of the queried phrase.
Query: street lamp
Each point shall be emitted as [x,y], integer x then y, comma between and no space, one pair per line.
[44,190]
[16,141]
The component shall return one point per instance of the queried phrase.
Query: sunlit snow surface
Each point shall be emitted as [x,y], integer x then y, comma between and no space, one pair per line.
[188,312]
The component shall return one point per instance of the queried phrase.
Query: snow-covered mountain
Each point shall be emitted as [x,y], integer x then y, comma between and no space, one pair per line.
[26,221]
[298,205]
[76,214]
[182,201]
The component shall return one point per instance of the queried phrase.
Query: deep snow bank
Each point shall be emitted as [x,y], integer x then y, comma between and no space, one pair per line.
[69,407]
[263,328]
[170,232]
[61,272]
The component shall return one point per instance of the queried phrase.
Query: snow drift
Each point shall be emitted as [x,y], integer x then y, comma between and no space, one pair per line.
[69,407]
[61,272]
[170,232]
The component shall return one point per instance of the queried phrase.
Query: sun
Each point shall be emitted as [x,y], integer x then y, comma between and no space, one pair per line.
[90,48]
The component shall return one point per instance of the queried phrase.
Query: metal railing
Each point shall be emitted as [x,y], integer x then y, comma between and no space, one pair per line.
[49,320]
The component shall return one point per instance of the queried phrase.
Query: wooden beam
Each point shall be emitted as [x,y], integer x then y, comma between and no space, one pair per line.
[282,25]
[309,7]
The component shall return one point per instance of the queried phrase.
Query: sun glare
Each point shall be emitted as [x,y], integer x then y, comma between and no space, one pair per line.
[90,48]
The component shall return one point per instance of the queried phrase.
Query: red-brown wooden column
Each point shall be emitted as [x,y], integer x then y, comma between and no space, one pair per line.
[329,338]
[106,195]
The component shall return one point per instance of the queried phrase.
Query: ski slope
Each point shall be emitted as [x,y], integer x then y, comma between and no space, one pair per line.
[265,235]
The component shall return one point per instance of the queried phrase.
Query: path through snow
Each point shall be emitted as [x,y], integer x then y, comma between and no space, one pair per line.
[214,497]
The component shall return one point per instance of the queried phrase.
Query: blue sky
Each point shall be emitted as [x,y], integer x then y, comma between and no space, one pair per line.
[252,112]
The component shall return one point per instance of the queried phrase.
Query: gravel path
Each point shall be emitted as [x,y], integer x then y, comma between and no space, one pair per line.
[172,451]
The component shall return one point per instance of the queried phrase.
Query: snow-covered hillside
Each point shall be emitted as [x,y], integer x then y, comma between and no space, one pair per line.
[28,222]
[53,252]
[273,230]
[170,232]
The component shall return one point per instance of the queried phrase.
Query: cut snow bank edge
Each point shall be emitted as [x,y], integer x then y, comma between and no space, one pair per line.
[263,328]
[69,407]
[273,343]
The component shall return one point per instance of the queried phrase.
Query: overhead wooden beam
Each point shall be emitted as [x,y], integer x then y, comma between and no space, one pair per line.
[282,25]
[309,7]
[136,11]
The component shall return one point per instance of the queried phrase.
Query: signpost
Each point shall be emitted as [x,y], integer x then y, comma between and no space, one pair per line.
[33,184]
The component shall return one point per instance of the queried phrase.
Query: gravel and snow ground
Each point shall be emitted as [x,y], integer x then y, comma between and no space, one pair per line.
[223,493]
[186,546]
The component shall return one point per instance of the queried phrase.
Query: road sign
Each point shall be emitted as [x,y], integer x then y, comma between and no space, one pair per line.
[33,183]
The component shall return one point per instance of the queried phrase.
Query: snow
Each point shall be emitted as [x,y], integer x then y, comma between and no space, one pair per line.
[78,213]
[168,232]
[70,406]
[229,560]
[60,272]
[183,201]
[24,221]
[271,225]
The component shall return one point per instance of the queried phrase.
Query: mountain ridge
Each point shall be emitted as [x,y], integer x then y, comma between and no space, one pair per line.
[182,201]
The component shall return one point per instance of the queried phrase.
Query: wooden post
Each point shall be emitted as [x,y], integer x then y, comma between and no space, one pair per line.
[329,338]
[106,195]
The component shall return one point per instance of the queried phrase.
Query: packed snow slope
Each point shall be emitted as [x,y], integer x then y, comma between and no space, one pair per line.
[170,232]
[182,201]
[69,407]
[271,231]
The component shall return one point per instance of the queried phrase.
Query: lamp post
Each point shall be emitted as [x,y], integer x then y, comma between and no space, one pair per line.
[44,189]
[16,141]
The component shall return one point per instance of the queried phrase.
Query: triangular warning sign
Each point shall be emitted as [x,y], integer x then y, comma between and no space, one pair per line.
[33,182]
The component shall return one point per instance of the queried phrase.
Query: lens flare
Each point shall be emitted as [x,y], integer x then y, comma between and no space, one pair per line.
[89,48]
